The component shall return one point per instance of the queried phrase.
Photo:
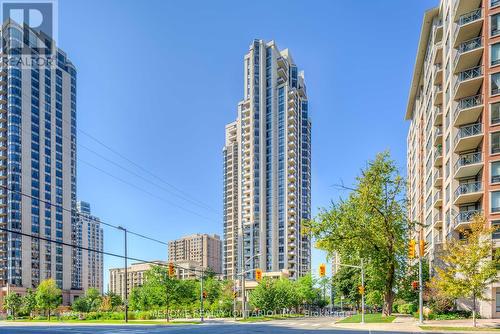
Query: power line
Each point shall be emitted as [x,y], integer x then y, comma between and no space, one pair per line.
[75,212]
[62,243]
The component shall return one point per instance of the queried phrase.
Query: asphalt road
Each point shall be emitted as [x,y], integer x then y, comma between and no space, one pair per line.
[292,326]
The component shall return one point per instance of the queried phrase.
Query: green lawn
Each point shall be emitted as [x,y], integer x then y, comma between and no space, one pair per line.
[464,329]
[369,318]
[141,322]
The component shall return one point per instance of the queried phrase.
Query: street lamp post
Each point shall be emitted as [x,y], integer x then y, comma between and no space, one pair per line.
[362,267]
[126,273]
[243,295]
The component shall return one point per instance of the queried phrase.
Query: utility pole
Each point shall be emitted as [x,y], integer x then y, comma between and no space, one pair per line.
[201,296]
[126,273]
[420,283]
[363,295]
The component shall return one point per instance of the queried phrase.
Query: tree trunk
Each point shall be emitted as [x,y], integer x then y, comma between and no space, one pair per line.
[48,316]
[474,311]
[388,293]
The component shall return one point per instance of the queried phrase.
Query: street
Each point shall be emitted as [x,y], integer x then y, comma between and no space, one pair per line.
[305,325]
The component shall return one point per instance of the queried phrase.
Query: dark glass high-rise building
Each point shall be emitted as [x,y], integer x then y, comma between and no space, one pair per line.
[37,163]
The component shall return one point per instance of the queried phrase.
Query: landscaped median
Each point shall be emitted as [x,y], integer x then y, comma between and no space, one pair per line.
[369,318]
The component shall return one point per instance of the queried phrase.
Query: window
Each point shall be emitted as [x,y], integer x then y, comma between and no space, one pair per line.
[495,83]
[495,25]
[495,142]
[495,54]
[495,113]
[495,172]
[495,201]
[496,235]
[495,3]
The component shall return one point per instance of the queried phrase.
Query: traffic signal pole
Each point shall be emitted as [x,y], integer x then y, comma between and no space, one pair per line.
[363,294]
[201,297]
[420,285]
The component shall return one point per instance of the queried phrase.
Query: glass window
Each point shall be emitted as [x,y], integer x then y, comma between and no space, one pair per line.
[495,172]
[495,142]
[495,25]
[495,54]
[495,201]
[496,235]
[495,83]
[495,113]
[495,3]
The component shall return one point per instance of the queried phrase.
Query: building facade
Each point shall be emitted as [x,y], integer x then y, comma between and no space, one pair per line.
[267,168]
[453,142]
[203,249]
[37,164]
[88,264]
[135,277]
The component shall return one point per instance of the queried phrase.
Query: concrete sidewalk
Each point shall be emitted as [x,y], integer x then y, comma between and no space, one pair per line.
[410,324]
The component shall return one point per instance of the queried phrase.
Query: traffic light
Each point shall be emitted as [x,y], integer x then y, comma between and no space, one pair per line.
[414,285]
[204,295]
[171,269]
[422,247]
[322,270]
[235,295]
[411,249]
[258,275]
[361,290]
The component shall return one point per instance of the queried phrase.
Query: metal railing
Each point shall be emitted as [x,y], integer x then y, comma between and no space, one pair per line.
[438,152]
[468,159]
[468,131]
[437,174]
[475,15]
[465,216]
[437,196]
[438,217]
[469,74]
[467,46]
[468,102]
[467,188]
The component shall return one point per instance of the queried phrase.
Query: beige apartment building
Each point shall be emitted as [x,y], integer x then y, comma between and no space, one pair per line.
[454,136]
[267,168]
[135,275]
[202,249]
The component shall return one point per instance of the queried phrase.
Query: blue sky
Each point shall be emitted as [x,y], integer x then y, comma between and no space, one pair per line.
[158,81]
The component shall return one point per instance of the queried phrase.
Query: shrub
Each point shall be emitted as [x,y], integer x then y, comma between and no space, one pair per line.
[408,308]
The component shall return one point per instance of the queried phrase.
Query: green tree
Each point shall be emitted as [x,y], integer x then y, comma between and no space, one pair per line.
[81,305]
[370,224]
[48,296]
[29,302]
[116,301]
[405,290]
[13,303]
[469,266]
[274,295]
[93,297]
[345,283]
[306,291]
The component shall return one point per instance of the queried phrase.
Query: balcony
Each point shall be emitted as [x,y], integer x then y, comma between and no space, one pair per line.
[468,26]
[463,219]
[438,115]
[468,82]
[438,136]
[438,53]
[438,31]
[438,156]
[438,73]
[468,110]
[438,199]
[465,6]
[438,219]
[438,94]
[468,137]
[468,54]
[469,192]
[468,165]
[438,178]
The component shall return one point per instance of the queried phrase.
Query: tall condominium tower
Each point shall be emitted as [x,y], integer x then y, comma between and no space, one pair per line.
[454,135]
[203,249]
[88,264]
[37,164]
[267,168]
